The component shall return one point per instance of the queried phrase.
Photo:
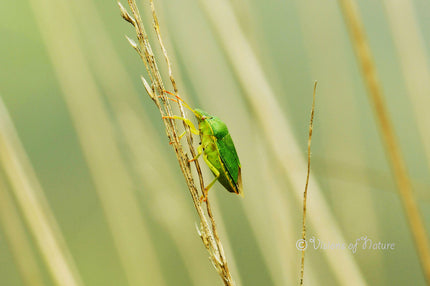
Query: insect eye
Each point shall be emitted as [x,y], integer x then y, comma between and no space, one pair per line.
[203,117]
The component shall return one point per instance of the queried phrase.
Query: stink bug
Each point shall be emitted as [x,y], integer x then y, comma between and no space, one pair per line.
[217,148]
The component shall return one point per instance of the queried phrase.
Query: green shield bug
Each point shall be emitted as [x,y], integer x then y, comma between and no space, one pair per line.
[217,148]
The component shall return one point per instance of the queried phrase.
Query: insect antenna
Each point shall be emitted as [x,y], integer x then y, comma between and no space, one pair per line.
[178,98]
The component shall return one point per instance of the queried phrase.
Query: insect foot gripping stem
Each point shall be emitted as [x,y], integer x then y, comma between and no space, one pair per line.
[172,99]
[199,152]
[195,158]
[204,197]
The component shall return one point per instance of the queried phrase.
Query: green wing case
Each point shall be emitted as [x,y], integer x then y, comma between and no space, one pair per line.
[229,156]
[214,130]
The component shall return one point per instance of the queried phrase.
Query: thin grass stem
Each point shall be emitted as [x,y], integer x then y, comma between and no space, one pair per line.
[305,193]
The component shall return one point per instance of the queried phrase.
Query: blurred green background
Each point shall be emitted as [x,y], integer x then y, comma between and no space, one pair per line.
[71,84]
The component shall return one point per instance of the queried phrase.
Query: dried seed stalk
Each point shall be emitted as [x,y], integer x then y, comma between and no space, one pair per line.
[207,231]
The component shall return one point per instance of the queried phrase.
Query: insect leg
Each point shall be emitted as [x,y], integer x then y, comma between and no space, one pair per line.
[216,173]
[182,135]
[193,129]
[199,152]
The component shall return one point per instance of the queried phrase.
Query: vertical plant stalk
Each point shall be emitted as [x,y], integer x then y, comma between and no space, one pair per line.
[207,231]
[305,193]
[368,69]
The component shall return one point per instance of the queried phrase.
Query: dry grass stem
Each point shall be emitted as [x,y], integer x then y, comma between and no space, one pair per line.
[305,193]
[368,69]
[156,91]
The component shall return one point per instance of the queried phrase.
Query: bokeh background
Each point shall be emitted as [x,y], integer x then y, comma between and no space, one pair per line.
[95,152]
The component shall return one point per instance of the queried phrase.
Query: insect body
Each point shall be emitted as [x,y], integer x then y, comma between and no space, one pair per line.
[218,150]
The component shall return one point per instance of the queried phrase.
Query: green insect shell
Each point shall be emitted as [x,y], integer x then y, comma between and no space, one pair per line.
[218,147]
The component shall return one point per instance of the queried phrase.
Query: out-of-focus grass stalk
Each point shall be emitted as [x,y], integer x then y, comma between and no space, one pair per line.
[412,54]
[34,206]
[97,137]
[397,164]
[17,238]
[278,134]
